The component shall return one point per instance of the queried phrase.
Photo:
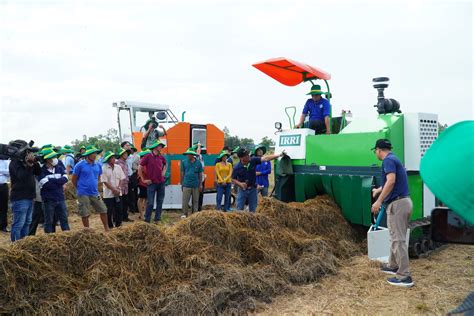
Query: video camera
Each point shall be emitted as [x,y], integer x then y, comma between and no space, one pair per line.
[17,150]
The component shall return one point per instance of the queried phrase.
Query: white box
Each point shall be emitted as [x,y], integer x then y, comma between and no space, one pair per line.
[378,243]
[293,142]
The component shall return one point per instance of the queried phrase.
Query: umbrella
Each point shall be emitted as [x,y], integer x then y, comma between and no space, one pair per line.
[290,72]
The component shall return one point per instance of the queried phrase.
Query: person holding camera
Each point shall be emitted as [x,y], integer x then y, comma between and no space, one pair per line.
[51,181]
[152,133]
[23,191]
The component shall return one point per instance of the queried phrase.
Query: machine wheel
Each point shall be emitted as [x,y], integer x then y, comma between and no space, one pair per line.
[415,250]
[432,245]
[425,246]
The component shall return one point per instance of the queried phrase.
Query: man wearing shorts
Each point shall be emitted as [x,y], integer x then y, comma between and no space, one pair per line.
[86,178]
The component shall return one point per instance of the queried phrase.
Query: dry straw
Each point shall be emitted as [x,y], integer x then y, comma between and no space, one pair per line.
[210,263]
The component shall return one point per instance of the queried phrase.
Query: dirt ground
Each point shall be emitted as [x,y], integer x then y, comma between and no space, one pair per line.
[442,281]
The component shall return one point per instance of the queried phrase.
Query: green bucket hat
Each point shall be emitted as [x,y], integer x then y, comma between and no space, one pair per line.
[67,150]
[49,153]
[316,89]
[91,150]
[444,169]
[262,147]
[108,154]
[122,151]
[222,154]
[190,151]
[235,150]
[156,144]
[143,153]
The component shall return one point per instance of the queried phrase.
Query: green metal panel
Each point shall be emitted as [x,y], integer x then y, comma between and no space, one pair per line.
[300,188]
[310,185]
[352,147]
[327,187]
[415,186]
[336,182]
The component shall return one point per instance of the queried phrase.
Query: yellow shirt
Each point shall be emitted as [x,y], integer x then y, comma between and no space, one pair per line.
[223,172]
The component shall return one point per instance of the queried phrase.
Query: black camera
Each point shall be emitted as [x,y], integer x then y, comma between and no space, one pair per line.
[17,150]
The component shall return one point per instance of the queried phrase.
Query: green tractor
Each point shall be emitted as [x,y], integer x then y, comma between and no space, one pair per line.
[342,164]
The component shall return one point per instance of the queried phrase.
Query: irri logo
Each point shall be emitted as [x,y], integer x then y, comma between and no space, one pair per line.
[290,140]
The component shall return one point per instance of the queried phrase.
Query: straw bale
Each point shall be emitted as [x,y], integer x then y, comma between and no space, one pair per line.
[211,262]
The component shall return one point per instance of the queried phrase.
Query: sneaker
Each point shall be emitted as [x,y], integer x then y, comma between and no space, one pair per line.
[386,269]
[405,282]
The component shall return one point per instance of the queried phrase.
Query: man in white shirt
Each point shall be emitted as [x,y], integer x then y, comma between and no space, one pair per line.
[112,177]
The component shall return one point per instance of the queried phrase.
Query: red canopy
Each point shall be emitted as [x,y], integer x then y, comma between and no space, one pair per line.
[290,72]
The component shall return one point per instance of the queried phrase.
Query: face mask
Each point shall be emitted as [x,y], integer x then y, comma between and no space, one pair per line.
[54,162]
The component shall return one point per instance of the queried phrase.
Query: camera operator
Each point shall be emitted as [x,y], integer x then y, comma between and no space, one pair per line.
[23,191]
[152,133]
[4,174]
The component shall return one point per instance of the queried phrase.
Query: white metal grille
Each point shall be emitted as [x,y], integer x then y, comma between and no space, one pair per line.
[428,134]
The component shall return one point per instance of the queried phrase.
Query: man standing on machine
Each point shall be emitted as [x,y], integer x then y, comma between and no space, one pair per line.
[319,110]
[395,196]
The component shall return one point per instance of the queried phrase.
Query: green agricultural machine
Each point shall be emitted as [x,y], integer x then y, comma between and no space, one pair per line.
[342,164]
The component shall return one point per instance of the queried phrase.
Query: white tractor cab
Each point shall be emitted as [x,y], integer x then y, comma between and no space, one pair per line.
[132,116]
[180,135]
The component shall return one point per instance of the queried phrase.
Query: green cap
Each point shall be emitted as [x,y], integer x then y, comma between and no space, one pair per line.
[108,154]
[156,144]
[316,89]
[91,150]
[145,152]
[122,151]
[49,153]
[66,150]
[46,146]
[263,148]
[190,151]
[446,170]
[235,150]
[222,154]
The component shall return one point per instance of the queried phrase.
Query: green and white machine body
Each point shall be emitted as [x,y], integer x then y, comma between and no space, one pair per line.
[344,166]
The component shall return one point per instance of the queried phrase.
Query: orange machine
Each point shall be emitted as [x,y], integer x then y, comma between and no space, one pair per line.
[179,137]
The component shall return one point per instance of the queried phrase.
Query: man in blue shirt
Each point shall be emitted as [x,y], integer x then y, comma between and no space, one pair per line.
[244,177]
[395,196]
[319,111]
[86,178]
[69,161]
[191,179]
[263,170]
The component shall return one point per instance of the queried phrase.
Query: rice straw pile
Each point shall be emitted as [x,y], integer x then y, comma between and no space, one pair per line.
[211,262]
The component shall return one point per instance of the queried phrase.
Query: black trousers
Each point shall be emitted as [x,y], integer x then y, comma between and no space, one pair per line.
[114,211]
[124,199]
[37,217]
[133,193]
[3,205]
[201,196]
[318,126]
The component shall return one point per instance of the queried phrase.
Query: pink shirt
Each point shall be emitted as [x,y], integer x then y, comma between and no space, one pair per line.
[154,167]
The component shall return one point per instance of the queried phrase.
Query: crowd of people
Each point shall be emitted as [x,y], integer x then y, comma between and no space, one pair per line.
[131,181]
